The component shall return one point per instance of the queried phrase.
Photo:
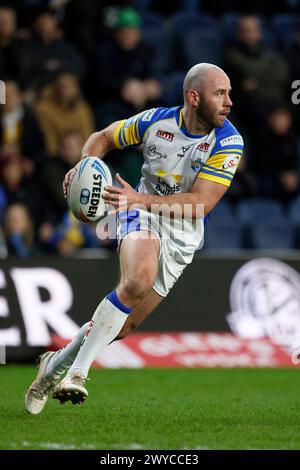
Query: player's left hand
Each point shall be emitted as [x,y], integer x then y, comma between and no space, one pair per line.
[121,198]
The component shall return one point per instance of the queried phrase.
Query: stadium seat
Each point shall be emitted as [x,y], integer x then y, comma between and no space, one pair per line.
[253,210]
[294,211]
[173,89]
[285,25]
[152,20]
[223,233]
[201,46]
[273,233]
[186,21]
[222,209]
[155,37]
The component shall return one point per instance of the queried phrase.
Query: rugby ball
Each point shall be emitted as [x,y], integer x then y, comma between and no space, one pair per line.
[84,197]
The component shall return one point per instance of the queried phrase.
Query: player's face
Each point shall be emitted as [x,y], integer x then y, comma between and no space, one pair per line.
[215,102]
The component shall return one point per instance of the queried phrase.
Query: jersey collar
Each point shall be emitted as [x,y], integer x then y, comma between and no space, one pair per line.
[182,128]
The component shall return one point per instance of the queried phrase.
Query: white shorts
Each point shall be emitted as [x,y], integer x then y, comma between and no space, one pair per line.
[178,241]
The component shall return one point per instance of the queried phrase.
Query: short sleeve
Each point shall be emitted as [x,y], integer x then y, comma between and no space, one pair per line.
[131,131]
[225,157]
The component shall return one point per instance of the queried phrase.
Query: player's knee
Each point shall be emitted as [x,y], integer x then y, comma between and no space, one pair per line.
[136,287]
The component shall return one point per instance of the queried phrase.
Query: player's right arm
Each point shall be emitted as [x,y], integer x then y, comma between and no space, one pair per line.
[97,145]
[117,135]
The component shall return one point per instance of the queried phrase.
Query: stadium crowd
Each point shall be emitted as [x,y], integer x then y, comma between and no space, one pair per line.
[71,67]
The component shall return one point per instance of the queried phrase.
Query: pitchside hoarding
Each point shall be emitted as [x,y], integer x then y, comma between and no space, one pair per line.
[253,297]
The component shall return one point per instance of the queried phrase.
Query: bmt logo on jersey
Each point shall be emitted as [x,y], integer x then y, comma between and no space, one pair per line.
[230,163]
[203,147]
[165,135]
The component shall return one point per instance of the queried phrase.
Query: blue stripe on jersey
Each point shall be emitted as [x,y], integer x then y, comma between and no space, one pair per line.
[159,114]
[219,175]
[226,131]
[216,169]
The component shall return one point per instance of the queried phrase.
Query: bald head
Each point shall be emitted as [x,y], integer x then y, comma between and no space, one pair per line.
[200,74]
[206,90]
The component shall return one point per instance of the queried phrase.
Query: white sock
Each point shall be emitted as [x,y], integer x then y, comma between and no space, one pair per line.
[108,320]
[64,358]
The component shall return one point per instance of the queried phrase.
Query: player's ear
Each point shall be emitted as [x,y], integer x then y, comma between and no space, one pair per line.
[193,97]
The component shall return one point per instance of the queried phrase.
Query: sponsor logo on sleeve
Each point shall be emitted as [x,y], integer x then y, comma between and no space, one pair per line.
[232,140]
[230,163]
[148,114]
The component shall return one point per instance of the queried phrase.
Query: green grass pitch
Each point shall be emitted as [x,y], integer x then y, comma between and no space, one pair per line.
[159,409]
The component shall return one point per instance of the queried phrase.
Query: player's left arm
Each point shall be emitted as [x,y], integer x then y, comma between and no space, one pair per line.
[202,198]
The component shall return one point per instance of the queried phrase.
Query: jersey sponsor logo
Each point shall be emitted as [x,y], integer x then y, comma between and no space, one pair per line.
[165,135]
[154,153]
[183,150]
[232,140]
[196,164]
[163,188]
[230,163]
[203,147]
[147,116]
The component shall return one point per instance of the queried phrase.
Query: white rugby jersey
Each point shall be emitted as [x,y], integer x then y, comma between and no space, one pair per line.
[174,158]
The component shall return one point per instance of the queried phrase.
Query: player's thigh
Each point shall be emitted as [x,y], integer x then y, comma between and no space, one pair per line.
[140,313]
[139,254]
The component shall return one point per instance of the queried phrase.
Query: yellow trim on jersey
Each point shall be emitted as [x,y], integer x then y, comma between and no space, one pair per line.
[117,142]
[177,178]
[215,179]
[180,119]
[229,151]
[217,160]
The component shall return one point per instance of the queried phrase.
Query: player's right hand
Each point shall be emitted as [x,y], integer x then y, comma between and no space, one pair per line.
[67,181]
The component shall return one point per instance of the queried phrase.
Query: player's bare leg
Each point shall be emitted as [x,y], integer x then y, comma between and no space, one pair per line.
[140,313]
[139,263]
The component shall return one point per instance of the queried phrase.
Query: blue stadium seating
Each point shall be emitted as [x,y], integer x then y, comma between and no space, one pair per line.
[184,22]
[173,89]
[202,46]
[159,40]
[285,25]
[152,20]
[251,211]
[222,209]
[223,233]
[273,233]
[294,211]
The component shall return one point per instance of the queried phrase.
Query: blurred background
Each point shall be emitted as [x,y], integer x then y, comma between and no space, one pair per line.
[71,67]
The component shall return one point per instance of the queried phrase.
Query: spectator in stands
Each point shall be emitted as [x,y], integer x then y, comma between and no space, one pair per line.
[19,128]
[258,75]
[17,186]
[69,236]
[54,169]
[48,52]
[274,156]
[18,227]
[127,73]
[10,49]
[62,108]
